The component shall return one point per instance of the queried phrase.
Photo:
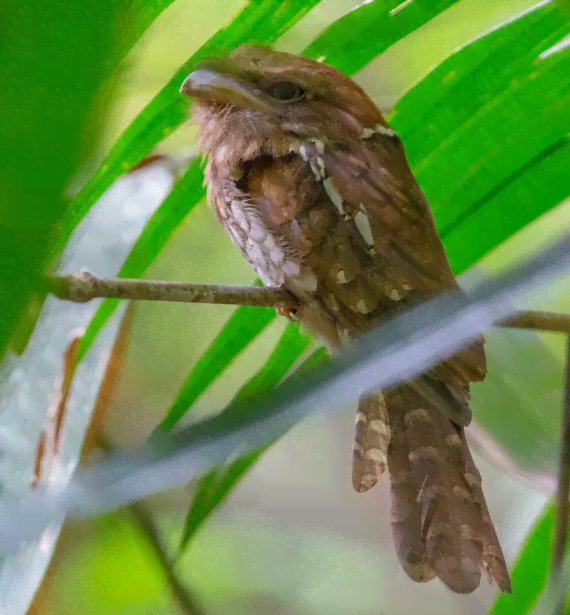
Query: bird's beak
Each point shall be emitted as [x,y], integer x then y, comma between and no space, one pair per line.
[211,85]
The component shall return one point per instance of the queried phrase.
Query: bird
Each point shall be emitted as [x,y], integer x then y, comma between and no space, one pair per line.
[313,187]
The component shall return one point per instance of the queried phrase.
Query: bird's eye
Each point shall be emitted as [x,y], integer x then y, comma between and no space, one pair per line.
[285,91]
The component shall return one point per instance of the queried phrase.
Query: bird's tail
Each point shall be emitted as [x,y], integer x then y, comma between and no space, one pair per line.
[440,521]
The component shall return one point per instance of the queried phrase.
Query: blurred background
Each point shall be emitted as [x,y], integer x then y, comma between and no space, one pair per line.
[290,536]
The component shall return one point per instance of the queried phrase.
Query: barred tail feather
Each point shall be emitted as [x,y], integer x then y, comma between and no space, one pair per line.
[370,442]
[440,522]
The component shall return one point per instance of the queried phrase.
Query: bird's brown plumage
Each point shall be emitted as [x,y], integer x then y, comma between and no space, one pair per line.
[313,187]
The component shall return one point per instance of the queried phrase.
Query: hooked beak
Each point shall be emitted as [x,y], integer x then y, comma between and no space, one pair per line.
[210,85]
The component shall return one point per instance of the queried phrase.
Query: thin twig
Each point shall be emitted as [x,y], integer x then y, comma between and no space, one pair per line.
[542,321]
[84,286]
[146,524]
[181,593]
[562,507]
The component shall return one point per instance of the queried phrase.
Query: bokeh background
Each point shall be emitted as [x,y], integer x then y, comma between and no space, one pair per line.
[291,536]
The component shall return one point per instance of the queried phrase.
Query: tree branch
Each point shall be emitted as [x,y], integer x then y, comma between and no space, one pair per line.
[82,287]
[541,321]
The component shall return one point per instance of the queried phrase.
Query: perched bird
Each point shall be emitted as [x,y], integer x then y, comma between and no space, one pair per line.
[313,186]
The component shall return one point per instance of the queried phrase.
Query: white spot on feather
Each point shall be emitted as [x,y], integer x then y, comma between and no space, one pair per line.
[364,306]
[395,295]
[378,426]
[341,277]
[361,418]
[269,276]
[277,256]
[379,129]
[334,195]
[221,154]
[319,146]
[376,455]
[307,281]
[269,242]
[454,440]
[318,168]
[363,225]
[291,268]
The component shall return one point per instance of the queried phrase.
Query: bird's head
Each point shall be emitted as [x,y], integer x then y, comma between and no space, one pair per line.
[257,101]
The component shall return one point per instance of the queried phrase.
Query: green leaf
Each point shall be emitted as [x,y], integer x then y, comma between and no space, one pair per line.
[238,332]
[185,195]
[56,56]
[143,12]
[471,141]
[529,574]
[365,32]
[292,343]
[520,201]
[211,490]
[521,399]
[214,487]
[260,21]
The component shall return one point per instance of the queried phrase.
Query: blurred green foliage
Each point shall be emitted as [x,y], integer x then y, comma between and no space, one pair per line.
[55,57]
[486,133]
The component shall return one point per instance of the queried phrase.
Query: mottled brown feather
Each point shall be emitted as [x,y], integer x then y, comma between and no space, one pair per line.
[319,198]
[370,448]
